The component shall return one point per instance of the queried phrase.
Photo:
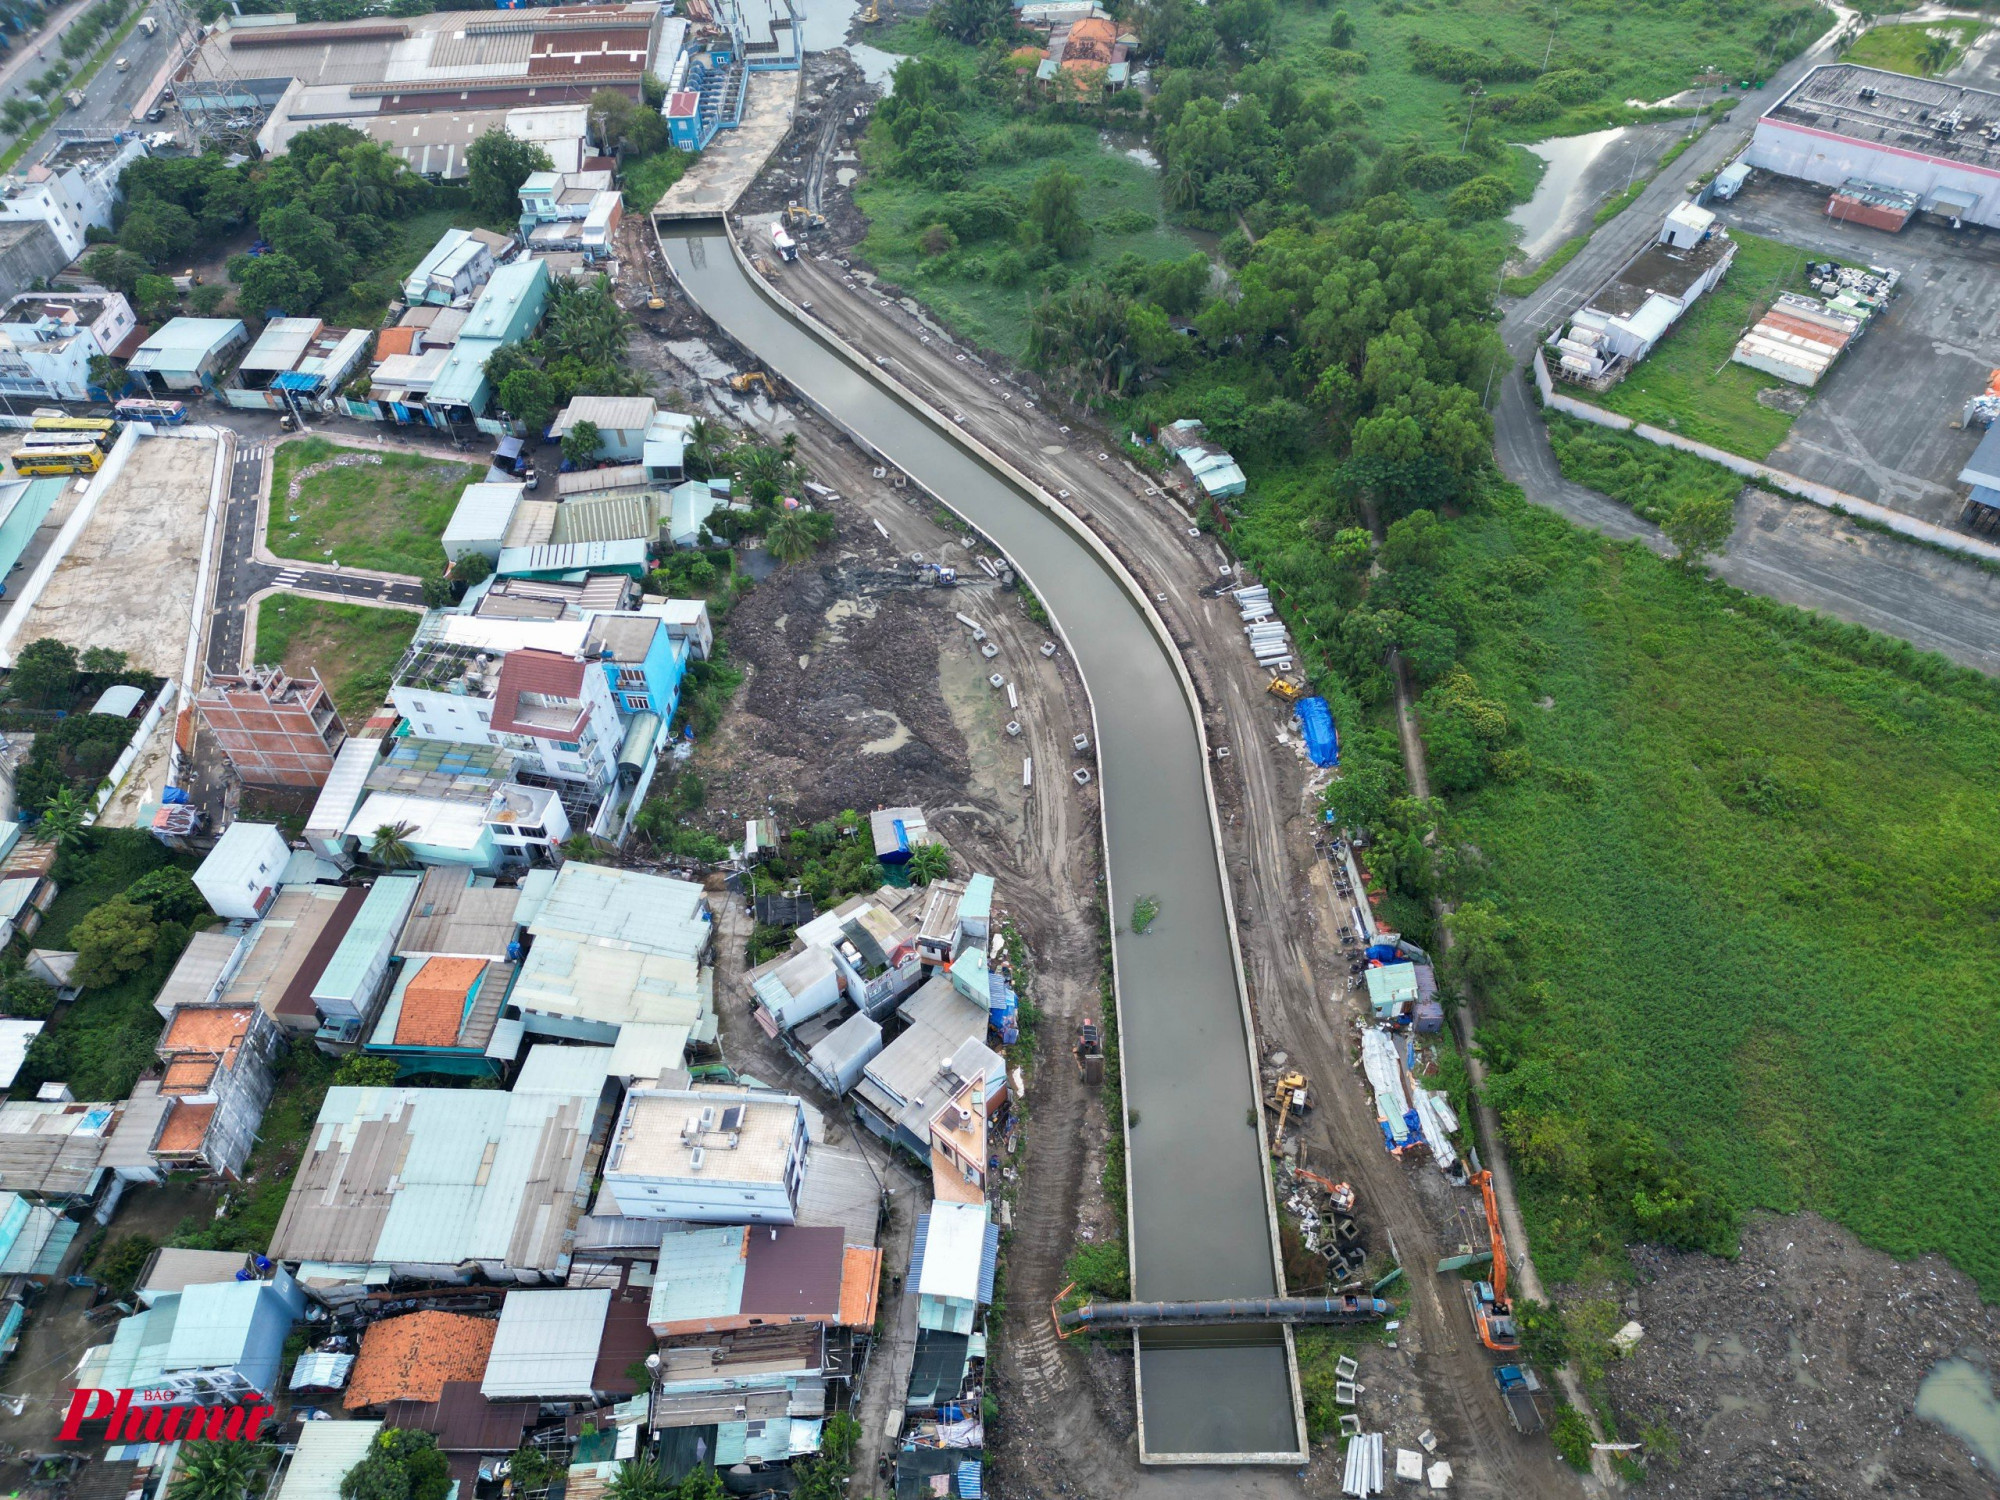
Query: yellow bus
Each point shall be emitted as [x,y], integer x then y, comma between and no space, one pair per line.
[97,429]
[81,459]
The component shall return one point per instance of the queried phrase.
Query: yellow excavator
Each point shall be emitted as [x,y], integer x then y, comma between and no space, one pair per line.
[1284,689]
[1492,1311]
[797,216]
[752,381]
[1290,1095]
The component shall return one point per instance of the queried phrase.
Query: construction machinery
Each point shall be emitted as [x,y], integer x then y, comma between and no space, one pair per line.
[1341,1194]
[1290,1095]
[754,380]
[1089,1053]
[798,216]
[1285,690]
[1517,1388]
[1492,1311]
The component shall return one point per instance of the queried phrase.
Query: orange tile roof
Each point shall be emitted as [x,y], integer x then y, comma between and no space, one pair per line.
[860,1281]
[188,1075]
[434,1001]
[1093,30]
[207,1028]
[187,1128]
[393,341]
[410,1358]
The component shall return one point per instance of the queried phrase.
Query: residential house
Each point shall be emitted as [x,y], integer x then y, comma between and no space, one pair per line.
[942,1048]
[324,1455]
[30,255]
[51,1150]
[459,264]
[952,1266]
[440,1184]
[509,309]
[208,1345]
[16,1036]
[573,211]
[479,523]
[410,1358]
[471,1431]
[220,1067]
[752,1386]
[545,1346]
[275,729]
[239,877]
[622,423]
[716,1280]
[1391,988]
[690,505]
[614,948]
[898,833]
[459,915]
[340,797]
[643,663]
[288,950]
[169,1269]
[24,901]
[664,453]
[707,1156]
[48,339]
[74,188]
[295,360]
[186,354]
[346,990]
[34,1238]
[441,1015]
[554,706]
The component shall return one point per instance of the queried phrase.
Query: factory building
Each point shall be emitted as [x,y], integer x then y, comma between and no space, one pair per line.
[1888,145]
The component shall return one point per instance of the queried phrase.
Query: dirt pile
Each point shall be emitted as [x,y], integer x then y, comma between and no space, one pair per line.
[1793,1370]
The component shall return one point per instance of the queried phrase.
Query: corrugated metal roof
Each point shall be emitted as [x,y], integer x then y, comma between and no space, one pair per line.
[700,1276]
[281,345]
[183,343]
[607,413]
[483,513]
[954,1245]
[198,973]
[547,1344]
[606,518]
[15,1036]
[552,1069]
[326,1452]
[941,1021]
[374,933]
[625,909]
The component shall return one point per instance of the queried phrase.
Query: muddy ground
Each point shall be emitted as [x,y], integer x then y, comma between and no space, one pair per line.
[1793,1369]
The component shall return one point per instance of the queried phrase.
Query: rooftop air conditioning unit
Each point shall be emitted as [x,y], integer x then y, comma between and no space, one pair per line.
[695,1158]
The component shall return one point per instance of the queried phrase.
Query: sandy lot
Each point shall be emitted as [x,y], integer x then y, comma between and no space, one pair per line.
[129,580]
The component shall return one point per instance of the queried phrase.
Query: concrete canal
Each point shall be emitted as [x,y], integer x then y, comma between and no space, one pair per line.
[1200,1194]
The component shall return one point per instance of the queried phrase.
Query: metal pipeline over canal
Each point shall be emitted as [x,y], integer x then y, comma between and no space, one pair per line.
[1333,1311]
[1203,1226]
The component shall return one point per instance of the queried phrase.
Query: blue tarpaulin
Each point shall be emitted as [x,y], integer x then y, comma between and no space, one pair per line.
[1316,724]
[292,380]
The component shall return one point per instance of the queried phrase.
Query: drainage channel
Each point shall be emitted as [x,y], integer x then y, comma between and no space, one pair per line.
[1203,1223]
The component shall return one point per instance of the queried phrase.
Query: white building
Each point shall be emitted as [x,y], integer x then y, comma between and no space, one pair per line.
[240,875]
[458,265]
[480,522]
[1842,125]
[72,189]
[47,340]
[708,1156]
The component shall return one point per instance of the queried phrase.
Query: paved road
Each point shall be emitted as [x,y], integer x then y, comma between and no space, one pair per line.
[240,575]
[1786,550]
[109,97]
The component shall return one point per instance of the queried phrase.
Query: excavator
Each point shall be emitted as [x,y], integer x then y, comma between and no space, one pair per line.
[1492,1310]
[754,380]
[1290,1096]
[797,216]
[1285,690]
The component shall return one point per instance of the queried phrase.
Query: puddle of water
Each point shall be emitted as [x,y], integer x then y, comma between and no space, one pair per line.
[1143,157]
[1958,1396]
[875,64]
[895,739]
[1545,218]
[824,25]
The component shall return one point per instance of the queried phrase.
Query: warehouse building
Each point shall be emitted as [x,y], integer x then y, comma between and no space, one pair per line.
[1889,145]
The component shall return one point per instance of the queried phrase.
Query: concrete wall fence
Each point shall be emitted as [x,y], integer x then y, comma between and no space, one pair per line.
[1777,479]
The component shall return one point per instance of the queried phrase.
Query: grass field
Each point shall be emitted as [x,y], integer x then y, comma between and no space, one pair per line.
[1649,478]
[1899,47]
[1121,198]
[1645,53]
[387,516]
[416,237]
[353,647]
[1749,883]
[1689,385]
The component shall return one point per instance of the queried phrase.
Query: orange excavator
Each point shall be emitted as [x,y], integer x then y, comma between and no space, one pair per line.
[1492,1311]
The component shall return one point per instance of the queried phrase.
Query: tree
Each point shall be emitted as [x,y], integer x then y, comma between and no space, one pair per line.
[390,844]
[794,535]
[1055,207]
[207,300]
[973,21]
[638,1479]
[119,269]
[116,939]
[44,673]
[402,1464]
[168,893]
[357,1071]
[1936,51]
[529,397]
[156,296]
[1342,34]
[586,324]
[579,444]
[473,568]
[65,818]
[628,129]
[438,592]
[219,1471]
[27,998]
[158,231]
[274,283]
[929,862]
[707,441]
[107,375]
[1700,525]
[495,166]
[701,1484]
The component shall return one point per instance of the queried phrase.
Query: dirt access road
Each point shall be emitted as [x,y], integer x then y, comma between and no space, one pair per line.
[1284,897]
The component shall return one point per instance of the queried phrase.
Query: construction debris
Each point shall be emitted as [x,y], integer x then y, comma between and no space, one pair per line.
[1270,643]
[1410,1116]
[1364,1466]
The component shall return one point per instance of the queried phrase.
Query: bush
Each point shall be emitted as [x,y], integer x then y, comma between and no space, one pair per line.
[27,998]
[1571,1436]
[1482,198]
[1102,1270]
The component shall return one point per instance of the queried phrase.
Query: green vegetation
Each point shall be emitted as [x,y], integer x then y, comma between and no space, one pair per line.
[353,647]
[579,351]
[1677,925]
[1099,1272]
[1562,255]
[1319,1353]
[646,180]
[56,81]
[401,1465]
[386,515]
[1613,207]
[1689,384]
[1920,48]
[1570,1433]
[251,1217]
[1145,911]
[1658,483]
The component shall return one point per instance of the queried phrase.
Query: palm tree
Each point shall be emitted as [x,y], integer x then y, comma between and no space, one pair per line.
[391,844]
[929,862]
[638,1479]
[1937,50]
[793,535]
[218,1471]
[66,818]
[706,443]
